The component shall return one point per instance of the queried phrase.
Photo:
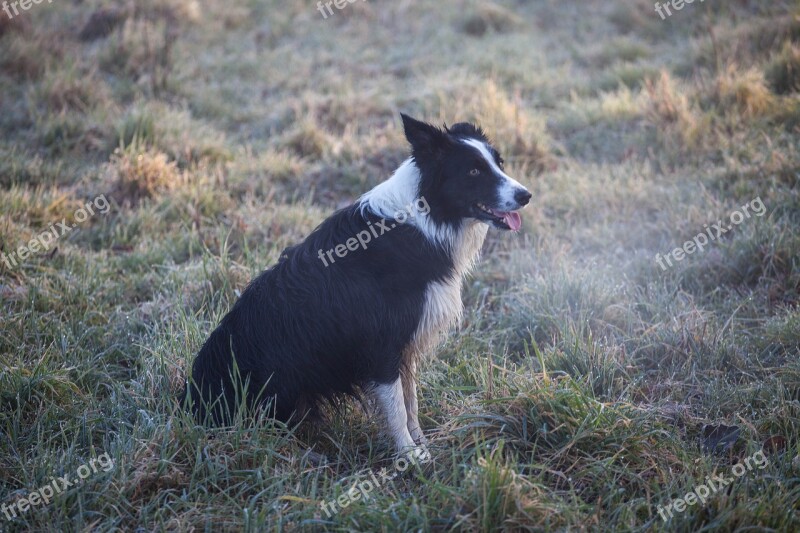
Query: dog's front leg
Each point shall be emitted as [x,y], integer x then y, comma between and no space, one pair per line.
[409,377]
[389,398]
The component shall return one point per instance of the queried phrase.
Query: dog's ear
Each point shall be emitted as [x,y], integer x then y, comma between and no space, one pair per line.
[424,138]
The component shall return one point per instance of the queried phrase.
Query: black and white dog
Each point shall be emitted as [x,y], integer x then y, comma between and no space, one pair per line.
[375,287]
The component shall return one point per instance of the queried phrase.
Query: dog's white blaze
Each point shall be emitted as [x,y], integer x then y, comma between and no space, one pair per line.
[390,400]
[510,186]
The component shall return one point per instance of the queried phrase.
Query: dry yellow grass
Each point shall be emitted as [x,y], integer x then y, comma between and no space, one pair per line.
[745,91]
[142,174]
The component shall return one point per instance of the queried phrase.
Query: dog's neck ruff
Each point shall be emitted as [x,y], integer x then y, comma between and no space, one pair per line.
[400,194]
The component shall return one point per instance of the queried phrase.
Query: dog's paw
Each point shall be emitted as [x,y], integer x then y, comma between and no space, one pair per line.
[417,454]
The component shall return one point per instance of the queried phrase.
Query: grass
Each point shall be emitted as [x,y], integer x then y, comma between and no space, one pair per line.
[580,389]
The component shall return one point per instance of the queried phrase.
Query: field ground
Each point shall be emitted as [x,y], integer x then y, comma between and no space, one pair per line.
[586,387]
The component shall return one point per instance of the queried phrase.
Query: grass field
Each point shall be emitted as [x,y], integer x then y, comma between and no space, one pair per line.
[590,384]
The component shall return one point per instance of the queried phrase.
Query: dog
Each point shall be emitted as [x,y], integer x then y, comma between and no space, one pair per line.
[337,317]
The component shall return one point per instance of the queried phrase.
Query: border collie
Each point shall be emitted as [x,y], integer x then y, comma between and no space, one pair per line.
[333,319]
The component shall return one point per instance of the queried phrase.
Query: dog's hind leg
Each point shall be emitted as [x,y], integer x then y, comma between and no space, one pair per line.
[389,397]
[409,377]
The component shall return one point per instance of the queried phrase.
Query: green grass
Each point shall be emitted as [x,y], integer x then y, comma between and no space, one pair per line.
[575,392]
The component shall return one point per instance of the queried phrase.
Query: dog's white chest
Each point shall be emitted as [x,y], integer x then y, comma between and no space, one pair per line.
[443,310]
[443,307]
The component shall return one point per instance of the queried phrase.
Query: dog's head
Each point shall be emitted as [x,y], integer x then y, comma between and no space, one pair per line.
[462,176]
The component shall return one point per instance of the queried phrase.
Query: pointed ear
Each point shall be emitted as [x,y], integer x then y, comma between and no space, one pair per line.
[423,137]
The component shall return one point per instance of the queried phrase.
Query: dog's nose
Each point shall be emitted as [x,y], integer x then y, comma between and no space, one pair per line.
[522,196]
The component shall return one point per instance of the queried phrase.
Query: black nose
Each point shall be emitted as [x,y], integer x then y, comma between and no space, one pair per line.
[522,196]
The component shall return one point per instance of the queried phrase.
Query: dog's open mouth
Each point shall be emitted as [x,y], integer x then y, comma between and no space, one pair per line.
[501,219]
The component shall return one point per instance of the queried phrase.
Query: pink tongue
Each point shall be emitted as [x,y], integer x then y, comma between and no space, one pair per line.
[513,220]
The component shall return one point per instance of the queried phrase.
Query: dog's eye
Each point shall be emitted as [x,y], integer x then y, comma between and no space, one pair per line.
[474,172]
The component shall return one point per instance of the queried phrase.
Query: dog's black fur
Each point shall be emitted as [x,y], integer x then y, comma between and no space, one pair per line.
[303,332]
